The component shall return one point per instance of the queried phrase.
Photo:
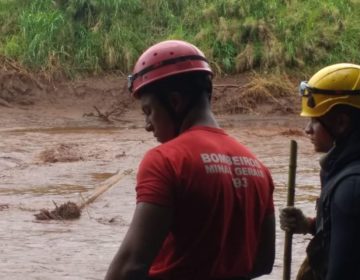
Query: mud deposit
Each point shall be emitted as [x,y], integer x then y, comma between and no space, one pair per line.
[57,152]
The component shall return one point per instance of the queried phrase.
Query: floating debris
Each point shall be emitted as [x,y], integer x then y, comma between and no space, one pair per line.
[4,207]
[71,210]
[293,132]
[66,211]
[62,153]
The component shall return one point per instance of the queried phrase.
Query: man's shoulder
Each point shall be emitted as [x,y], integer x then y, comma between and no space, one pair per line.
[346,194]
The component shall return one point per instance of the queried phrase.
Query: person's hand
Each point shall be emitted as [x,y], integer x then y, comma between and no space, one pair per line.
[293,220]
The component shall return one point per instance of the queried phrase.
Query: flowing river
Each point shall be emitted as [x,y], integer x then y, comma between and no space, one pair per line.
[47,160]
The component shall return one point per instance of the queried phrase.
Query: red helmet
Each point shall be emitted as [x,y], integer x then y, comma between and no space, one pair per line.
[165,59]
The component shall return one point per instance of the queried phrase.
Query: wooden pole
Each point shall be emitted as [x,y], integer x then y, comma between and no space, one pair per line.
[290,202]
[103,187]
[71,210]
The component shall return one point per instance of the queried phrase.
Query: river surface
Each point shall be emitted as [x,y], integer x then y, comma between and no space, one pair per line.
[47,159]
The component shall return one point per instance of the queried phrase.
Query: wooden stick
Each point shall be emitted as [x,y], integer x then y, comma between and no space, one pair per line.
[71,210]
[103,187]
[290,202]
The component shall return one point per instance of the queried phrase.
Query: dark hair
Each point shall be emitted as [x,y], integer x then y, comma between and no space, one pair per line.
[192,84]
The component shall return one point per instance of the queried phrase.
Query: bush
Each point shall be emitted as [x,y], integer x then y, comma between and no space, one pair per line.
[92,36]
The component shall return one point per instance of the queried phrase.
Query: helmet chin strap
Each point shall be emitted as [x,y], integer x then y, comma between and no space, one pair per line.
[180,119]
[327,128]
[336,138]
[176,118]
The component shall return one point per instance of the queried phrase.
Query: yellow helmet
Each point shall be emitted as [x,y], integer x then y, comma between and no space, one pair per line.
[333,85]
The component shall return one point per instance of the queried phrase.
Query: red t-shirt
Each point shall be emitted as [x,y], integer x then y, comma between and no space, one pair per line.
[220,194]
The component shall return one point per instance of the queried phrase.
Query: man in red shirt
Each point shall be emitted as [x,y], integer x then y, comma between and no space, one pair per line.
[204,202]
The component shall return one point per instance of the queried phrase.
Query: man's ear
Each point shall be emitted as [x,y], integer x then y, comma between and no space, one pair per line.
[178,102]
[342,124]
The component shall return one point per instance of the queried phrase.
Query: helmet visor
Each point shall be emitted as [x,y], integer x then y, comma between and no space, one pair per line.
[305,90]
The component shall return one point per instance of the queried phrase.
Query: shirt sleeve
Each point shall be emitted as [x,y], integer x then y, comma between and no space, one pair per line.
[155,180]
[345,229]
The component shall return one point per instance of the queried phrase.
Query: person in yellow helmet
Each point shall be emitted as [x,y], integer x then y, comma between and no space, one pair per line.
[331,99]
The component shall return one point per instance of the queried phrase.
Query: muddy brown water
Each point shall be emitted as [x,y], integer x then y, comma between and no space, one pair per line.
[48,157]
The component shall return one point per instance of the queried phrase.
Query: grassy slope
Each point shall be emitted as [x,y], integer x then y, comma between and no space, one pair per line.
[92,36]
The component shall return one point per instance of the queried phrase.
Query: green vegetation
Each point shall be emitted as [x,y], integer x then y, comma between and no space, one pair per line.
[92,36]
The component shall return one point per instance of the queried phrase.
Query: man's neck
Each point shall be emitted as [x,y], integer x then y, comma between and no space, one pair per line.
[199,117]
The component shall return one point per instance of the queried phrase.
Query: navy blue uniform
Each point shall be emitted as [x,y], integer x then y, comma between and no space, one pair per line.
[341,222]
